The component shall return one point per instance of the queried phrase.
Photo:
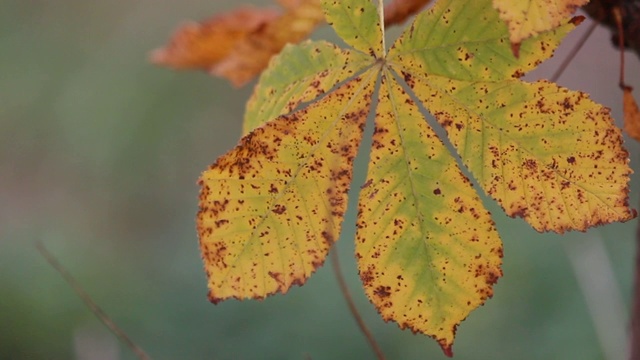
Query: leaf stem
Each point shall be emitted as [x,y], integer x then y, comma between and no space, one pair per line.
[335,262]
[618,19]
[93,307]
[381,19]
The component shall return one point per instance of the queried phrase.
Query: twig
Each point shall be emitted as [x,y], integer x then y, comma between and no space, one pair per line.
[618,19]
[93,307]
[335,262]
[573,52]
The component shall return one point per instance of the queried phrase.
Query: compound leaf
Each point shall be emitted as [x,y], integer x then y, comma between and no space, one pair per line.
[428,252]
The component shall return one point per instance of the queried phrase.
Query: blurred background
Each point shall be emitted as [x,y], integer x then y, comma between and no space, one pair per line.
[100,153]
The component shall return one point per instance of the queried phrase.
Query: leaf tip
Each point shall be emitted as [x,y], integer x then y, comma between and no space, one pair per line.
[215,299]
[447,347]
[515,49]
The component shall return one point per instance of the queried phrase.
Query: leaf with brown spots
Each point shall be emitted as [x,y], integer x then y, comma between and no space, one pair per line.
[527,18]
[428,252]
[239,44]
[271,208]
[300,74]
[547,154]
[448,41]
[358,24]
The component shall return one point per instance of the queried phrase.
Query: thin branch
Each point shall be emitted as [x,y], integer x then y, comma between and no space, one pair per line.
[573,52]
[381,18]
[618,19]
[93,307]
[335,262]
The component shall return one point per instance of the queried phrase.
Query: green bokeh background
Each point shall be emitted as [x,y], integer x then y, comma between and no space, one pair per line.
[100,153]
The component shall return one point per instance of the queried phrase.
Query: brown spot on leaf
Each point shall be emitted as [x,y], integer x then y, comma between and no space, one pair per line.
[382,291]
[367,277]
[530,165]
[221,222]
[279,209]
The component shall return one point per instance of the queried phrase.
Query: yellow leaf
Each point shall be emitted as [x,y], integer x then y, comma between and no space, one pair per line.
[427,250]
[358,24]
[631,114]
[271,208]
[545,153]
[447,40]
[299,74]
[527,18]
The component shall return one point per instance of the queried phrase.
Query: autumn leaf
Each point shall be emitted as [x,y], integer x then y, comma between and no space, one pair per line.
[532,17]
[631,114]
[427,249]
[300,74]
[398,11]
[271,208]
[200,45]
[419,264]
[238,45]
